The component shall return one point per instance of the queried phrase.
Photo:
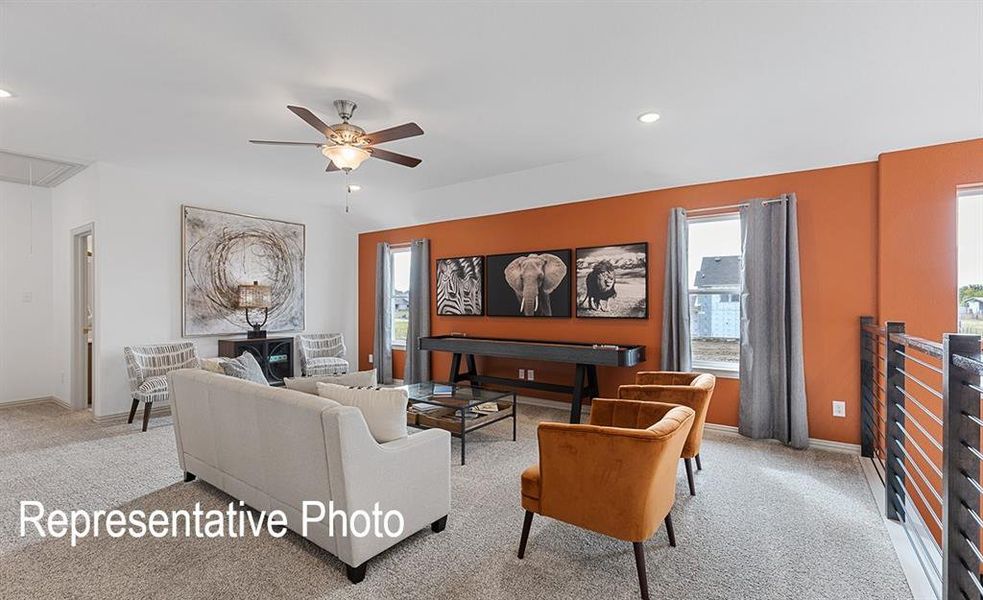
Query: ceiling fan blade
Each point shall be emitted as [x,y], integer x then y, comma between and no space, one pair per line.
[312,120]
[331,167]
[394,133]
[286,143]
[399,159]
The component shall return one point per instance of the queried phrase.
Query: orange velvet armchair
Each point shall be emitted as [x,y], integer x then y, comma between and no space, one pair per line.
[615,476]
[687,389]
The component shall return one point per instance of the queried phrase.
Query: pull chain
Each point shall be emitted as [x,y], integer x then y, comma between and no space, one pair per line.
[348,190]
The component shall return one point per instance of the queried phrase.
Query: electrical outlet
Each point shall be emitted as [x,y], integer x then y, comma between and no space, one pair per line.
[370,359]
[27,297]
[839,408]
[530,375]
[522,373]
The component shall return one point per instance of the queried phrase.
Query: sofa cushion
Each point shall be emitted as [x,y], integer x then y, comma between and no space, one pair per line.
[214,365]
[245,367]
[325,365]
[384,409]
[309,384]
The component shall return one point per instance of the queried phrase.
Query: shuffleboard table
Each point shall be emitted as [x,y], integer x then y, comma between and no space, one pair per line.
[586,358]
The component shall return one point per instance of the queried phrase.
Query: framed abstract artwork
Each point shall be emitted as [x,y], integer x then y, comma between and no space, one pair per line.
[460,286]
[612,281]
[223,250]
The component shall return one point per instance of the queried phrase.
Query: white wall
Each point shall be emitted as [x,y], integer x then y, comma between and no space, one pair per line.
[138,266]
[25,293]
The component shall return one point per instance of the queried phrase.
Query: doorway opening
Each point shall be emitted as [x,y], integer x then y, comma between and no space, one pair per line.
[83,316]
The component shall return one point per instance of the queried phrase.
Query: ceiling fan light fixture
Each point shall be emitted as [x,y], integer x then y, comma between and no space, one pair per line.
[345,157]
[649,117]
[6,94]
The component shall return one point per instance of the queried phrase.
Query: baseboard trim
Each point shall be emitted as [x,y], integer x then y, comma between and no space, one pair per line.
[29,401]
[814,443]
[117,418]
[555,404]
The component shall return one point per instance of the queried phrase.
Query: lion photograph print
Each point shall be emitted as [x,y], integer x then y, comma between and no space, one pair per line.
[612,281]
[529,284]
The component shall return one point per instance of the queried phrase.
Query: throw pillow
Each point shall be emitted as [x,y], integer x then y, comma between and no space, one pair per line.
[213,365]
[245,367]
[384,409]
[309,384]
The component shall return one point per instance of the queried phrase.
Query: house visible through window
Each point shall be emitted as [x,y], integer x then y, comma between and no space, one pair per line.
[970,260]
[400,295]
[715,291]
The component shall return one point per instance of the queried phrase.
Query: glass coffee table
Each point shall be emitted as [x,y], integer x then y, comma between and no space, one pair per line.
[459,408]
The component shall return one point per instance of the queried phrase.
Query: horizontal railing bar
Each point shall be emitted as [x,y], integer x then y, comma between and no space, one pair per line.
[928,505]
[931,488]
[927,387]
[975,577]
[973,513]
[924,346]
[976,551]
[975,388]
[918,426]
[920,362]
[928,460]
[919,405]
[873,329]
[970,364]
[976,420]
[973,451]
[973,482]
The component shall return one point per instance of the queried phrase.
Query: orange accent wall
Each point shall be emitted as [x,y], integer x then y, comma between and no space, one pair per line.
[838,246]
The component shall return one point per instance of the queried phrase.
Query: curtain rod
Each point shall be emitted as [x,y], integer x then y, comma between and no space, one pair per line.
[725,207]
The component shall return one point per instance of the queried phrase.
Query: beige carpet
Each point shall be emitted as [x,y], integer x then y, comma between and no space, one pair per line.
[768,522]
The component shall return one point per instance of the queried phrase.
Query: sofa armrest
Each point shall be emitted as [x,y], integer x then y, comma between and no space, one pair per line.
[410,475]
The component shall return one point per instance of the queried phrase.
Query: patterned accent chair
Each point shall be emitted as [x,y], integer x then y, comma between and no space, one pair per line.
[147,368]
[687,389]
[322,354]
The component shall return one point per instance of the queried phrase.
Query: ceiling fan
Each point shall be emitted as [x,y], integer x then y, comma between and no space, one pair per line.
[347,146]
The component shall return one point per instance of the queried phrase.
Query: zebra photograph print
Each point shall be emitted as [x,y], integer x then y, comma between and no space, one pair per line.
[460,286]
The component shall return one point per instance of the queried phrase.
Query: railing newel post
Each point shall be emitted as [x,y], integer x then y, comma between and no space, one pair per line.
[894,475]
[960,468]
[868,422]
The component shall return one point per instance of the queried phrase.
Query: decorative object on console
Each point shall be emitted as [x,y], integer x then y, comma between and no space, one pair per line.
[245,367]
[147,367]
[384,409]
[275,355]
[322,354]
[309,384]
[612,281]
[223,249]
[460,286]
[529,284]
[255,296]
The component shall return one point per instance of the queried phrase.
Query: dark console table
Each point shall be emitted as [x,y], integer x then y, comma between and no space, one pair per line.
[275,355]
[586,357]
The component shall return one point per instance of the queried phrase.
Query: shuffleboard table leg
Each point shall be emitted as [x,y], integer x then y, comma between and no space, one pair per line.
[593,391]
[455,367]
[578,392]
[472,369]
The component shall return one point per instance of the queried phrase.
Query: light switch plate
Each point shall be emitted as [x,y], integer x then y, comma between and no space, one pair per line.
[522,373]
[839,408]
[370,359]
[27,297]
[530,375]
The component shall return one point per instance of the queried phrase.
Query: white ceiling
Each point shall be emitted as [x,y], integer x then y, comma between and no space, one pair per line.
[522,104]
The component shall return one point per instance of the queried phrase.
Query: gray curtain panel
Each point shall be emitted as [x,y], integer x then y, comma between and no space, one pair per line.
[382,346]
[418,361]
[676,354]
[773,394]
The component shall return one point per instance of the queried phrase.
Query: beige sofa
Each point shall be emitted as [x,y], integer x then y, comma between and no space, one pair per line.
[275,448]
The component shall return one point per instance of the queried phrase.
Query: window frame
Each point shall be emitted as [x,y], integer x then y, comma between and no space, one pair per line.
[393,251]
[716,367]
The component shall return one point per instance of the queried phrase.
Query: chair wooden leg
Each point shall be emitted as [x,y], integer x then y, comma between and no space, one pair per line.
[146,414]
[640,565]
[133,410]
[669,531]
[189,477]
[699,464]
[439,525]
[689,476]
[526,524]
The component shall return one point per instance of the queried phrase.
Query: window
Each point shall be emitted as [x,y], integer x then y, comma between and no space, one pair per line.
[970,276]
[400,294]
[715,291]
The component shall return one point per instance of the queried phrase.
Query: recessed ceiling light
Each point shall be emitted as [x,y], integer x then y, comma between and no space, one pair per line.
[354,187]
[649,117]
[5,94]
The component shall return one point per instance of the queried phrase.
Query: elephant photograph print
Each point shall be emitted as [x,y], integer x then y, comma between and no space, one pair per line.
[460,286]
[529,284]
[612,281]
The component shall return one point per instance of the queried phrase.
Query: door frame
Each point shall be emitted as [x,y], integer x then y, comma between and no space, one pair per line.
[79,356]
